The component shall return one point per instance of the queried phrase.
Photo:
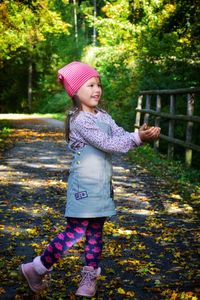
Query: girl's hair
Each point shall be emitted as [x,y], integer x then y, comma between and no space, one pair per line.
[72,113]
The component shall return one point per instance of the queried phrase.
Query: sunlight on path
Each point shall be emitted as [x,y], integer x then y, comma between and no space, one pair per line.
[17,116]
[150,247]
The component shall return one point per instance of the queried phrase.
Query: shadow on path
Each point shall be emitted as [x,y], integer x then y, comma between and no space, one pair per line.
[151,246]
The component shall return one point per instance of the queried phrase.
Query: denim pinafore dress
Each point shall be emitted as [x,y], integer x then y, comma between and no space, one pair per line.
[89,192]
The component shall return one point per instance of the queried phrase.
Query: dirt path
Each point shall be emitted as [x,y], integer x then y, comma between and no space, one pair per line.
[151,246]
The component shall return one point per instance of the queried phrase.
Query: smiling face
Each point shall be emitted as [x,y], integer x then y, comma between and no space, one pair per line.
[89,94]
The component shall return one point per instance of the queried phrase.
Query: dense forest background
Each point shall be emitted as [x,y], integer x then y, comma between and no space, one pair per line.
[135,44]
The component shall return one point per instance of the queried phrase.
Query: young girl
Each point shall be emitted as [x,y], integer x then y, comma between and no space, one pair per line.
[93,136]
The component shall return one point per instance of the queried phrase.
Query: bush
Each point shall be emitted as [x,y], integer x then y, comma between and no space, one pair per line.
[5,130]
[57,103]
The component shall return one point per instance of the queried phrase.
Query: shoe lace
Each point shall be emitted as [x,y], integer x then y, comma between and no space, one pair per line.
[88,278]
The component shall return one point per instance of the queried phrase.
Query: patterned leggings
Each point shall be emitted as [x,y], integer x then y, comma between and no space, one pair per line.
[75,230]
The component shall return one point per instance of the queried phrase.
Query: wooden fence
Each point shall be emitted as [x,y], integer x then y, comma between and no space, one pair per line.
[143,114]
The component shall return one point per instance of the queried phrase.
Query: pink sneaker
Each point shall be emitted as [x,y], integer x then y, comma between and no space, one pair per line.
[34,272]
[87,286]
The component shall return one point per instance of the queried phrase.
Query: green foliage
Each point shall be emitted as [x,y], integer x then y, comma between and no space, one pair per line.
[25,26]
[5,125]
[141,45]
[160,166]
[57,103]
[138,50]
[5,130]
[27,31]
[165,51]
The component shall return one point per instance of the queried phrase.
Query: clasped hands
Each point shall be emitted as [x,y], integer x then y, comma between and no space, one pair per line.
[149,134]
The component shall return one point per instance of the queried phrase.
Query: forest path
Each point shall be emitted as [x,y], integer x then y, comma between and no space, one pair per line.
[150,248]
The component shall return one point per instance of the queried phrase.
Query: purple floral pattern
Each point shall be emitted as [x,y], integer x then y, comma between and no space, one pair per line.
[84,130]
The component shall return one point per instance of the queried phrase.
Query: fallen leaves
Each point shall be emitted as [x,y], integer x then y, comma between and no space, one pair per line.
[150,248]
[2,291]
[175,295]
[125,293]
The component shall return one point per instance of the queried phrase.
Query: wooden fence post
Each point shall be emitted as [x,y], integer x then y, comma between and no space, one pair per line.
[172,117]
[190,111]
[138,113]
[157,119]
[170,153]
[147,106]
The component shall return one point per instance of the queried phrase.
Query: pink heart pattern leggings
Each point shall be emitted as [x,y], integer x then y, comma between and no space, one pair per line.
[76,228]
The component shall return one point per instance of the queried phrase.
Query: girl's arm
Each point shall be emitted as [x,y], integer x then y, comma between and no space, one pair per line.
[146,134]
[116,130]
[96,137]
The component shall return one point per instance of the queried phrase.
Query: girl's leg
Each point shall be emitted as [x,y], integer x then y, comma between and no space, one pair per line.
[35,271]
[94,242]
[73,233]
[93,249]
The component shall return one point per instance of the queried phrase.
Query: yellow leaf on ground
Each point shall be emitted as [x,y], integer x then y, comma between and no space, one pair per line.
[130,294]
[121,291]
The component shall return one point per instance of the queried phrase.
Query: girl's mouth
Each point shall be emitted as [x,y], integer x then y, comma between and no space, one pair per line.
[96,98]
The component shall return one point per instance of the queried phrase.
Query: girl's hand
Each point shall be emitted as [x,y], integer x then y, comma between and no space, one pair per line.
[149,135]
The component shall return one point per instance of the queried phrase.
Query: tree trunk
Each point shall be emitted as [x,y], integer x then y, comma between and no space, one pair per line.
[94,28]
[30,85]
[75,23]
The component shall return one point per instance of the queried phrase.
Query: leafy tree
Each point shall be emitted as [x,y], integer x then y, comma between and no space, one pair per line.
[25,26]
[145,45]
[140,45]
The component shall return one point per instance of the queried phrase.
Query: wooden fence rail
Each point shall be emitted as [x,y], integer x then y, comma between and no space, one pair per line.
[171,116]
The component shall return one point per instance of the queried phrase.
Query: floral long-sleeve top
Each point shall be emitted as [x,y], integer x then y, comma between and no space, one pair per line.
[84,130]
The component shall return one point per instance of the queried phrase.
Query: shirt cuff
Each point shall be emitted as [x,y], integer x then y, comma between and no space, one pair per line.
[136,138]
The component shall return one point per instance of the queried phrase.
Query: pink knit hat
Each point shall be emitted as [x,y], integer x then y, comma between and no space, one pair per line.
[74,75]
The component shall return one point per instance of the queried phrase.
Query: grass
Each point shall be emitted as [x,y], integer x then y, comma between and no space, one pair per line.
[171,170]
[5,129]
